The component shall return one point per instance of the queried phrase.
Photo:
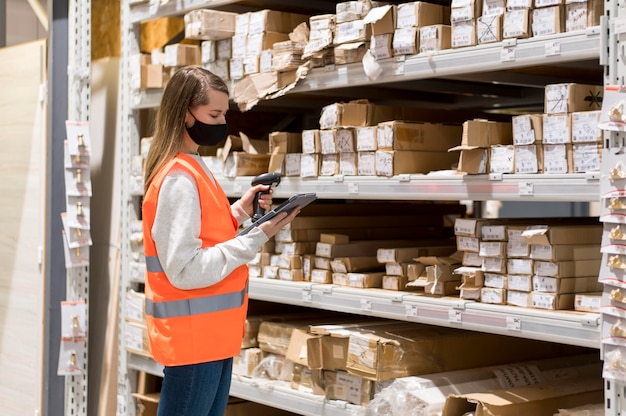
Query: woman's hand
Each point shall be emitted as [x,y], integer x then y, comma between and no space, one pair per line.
[273,226]
[265,201]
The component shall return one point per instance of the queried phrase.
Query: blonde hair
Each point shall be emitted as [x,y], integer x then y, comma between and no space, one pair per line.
[187,88]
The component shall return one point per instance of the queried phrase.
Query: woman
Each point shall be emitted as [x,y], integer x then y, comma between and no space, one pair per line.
[196,285]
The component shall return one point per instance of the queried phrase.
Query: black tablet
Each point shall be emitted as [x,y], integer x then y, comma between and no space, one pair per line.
[296,201]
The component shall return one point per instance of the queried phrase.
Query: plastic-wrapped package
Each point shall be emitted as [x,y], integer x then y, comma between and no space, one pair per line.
[274,367]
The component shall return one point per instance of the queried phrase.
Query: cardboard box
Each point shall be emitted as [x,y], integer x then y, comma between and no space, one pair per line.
[463,33]
[485,133]
[135,307]
[563,269]
[557,158]
[557,129]
[548,21]
[365,279]
[348,163]
[465,10]
[569,98]
[328,141]
[565,252]
[498,281]
[529,158]
[311,141]
[552,301]
[435,38]
[284,142]
[564,234]
[516,298]
[489,29]
[382,20]
[224,49]
[586,157]
[309,165]
[136,338]
[258,42]
[516,24]
[354,113]
[358,248]
[340,385]
[396,162]
[419,14]
[405,41]
[394,282]
[585,126]
[366,138]
[588,302]
[474,161]
[354,264]
[418,136]
[381,46]
[245,363]
[348,53]
[520,282]
[353,31]
[209,24]
[527,129]
[366,163]
[152,76]
[561,285]
[493,295]
[581,15]
[274,21]
[321,276]
[404,254]
[502,159]
[537,400]
[244,164]
[181,54]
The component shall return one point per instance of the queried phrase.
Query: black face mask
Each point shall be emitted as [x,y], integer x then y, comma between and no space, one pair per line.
[207,134]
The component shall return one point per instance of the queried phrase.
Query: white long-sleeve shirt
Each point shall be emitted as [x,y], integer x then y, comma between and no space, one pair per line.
[176,232]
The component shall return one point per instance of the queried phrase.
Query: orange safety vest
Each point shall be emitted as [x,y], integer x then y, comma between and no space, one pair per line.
[199,325]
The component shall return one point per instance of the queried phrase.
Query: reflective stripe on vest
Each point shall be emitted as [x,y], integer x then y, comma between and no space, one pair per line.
[195,306]
[153,265]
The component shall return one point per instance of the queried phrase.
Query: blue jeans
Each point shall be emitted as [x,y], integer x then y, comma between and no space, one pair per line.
[196,390]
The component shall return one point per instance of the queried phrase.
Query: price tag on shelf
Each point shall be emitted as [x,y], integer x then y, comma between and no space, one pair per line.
[526,188]
[353,188]
[342,73]
[553,48]
[455,316]
[410,310]
[307,296]
[513,323]
[366,305]
[507,54]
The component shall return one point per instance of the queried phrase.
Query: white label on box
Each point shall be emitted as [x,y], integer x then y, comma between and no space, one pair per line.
[468,244]
[556,130]
[463,34]
[547,3]
[465,226]
[492,295]
[327,141]
[352,385]
[266,60]
[518,376]
[366,165]
[541,252]
[337,352]
[544,284]
[322,263]
[494,264]
[487,29]
[338,266]
[523,132]
[576,16]
[308,165]
[384,163]
[493,7]
[520,283]
[472,259]
[585,127]
[319,23]
[393,269]
[543,300]
[493,232]
[359,347]
[329,117]
[490,249]
[379,46]
[462,14]
[254,45]
[406,16]
[543,22]
[236,68]
[308,141]
[586,158]
[386,255]
[345,140]
[554,158]
[502,159]
[366,138]
[495,280]
[520,266]
[514,24]
[404,41]
[224,48]
[589,302]
[348,163]
[257,22]
[330,165]
[239,46]
[518,4]
[517,298]
[526,159]
[293,164]
[546,268]
[251,65]
[209,52]
[349,31]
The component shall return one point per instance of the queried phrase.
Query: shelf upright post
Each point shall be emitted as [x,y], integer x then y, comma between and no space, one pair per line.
[129,136]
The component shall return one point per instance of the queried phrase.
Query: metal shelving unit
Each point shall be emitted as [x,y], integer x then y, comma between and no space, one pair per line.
[568,327]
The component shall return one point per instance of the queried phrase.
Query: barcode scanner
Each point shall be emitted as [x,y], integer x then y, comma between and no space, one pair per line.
[269,179]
